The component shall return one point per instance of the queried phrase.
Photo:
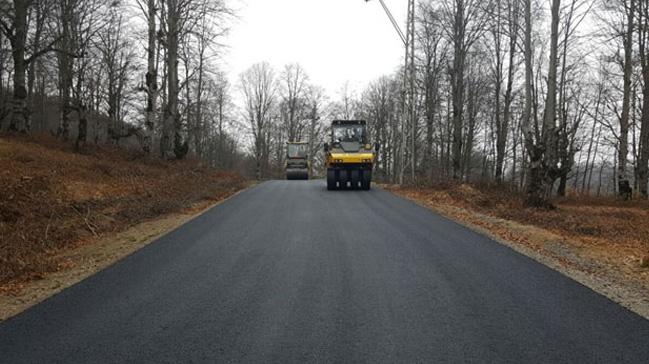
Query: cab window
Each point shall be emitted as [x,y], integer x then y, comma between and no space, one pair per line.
[348,134]
[297,151]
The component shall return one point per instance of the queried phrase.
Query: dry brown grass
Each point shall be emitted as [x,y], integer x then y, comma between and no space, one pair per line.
[52,198]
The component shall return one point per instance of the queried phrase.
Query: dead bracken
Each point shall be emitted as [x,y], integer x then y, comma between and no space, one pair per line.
[52,199]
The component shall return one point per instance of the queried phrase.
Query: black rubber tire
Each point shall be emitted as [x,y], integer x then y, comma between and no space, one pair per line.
[331,179]
[355,179]
[366,180]
[343,177]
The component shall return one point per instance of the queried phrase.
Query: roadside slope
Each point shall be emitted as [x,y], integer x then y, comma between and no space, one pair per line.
[602,243]
[53,200]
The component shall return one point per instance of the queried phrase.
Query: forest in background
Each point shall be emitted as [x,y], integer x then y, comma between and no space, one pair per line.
[547,96]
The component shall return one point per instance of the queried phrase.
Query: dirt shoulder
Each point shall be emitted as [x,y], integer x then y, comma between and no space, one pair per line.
[84,260]
[66,215]
[601,243]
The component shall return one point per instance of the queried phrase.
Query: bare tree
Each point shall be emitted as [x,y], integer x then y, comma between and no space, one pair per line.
[536,195]
[510,28]
[381,104]
[293,80]
[643,52]
[433,53]
[14,26]
[259,87]
[172,128]
[347,104]
[623,149]
[66,13]
[150,10]
[116,62]
[465,24]
[182,18]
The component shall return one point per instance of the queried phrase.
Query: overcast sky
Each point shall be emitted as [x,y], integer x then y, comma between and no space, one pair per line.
[334,40]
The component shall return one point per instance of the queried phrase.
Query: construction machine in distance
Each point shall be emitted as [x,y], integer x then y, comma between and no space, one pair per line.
[297,163]
[349,156]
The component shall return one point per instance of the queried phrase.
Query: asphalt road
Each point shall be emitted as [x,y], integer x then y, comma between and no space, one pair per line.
[288,272]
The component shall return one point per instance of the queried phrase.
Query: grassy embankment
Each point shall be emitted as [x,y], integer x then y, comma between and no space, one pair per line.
[53,200]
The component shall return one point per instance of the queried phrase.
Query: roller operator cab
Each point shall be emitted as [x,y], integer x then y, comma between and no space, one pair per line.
[349,156]
[297,163]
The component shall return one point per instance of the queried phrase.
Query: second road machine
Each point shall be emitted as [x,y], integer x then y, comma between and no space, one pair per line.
[297,163]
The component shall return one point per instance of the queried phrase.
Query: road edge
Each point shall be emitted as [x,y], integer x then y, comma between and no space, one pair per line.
[36,291]
[604,285]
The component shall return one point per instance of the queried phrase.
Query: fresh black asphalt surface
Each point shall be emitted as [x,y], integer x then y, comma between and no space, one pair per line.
[288,272]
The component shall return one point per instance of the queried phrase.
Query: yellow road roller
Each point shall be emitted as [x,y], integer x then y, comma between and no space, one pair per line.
[349,156]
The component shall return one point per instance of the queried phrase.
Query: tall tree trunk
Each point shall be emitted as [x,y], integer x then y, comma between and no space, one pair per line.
[200,131]
[528,134]
[623,148]
[543,153]
[600,90]
[501,143]
[189,112]
[65,72]
[601,173]
[173,119]
[563,184]
[151,79]
[20,114]
[564,145]
[549,117]
[83,126]
[458,88]
[431,109]
[34,64]
[643,159]
[413,97]
[470,135]
[535,176]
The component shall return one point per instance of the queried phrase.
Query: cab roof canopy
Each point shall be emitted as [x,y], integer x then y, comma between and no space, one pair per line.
[348,122]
